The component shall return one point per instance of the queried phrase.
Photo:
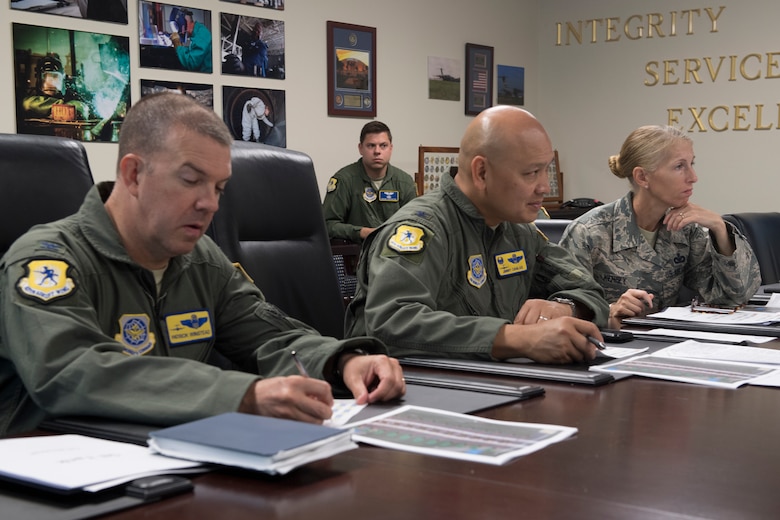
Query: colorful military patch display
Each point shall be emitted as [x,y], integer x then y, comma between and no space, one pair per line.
[511,263]
[46,280]
[407,239]
[134,334]
[189,327]
[476,274]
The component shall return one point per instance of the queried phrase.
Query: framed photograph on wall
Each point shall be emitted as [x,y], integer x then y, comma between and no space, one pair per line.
[203,94]
[432,163]
[511,85]
[256,114]
[101,10]
[556,181]
[479,78]
[351,70]
[268,4]
[70,84]
[174,37]
[252,46]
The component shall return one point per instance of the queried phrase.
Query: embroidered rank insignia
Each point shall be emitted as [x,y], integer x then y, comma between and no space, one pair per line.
[46,280]
[476,274]
[369,195]
[189,327]
[332,184]
[407,239]
[134,334]
[388,196]
[511,263]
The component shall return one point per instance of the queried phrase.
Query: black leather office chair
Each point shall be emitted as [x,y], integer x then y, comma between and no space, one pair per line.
[42,179]
[345,258]
[270,220]
[762,231]
[552,228]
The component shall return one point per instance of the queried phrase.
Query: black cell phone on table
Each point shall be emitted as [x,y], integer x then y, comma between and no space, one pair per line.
[616,336]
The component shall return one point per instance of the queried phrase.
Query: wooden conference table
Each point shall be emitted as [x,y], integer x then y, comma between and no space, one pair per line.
[645,449]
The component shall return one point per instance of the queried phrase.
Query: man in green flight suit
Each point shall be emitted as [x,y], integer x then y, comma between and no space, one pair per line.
[362,195]
[462,271]
[113,311]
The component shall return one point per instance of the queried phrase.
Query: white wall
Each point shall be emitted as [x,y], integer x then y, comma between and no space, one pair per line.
[593,95]
[408,31]
[589,95]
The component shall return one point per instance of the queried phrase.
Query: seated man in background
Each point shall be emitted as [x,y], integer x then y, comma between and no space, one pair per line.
[112,312]
[462,272]
[362,195]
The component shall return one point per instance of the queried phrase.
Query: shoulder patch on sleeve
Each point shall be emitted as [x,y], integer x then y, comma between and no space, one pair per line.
[46,280]
[332,184]
[243,271]
[407,239]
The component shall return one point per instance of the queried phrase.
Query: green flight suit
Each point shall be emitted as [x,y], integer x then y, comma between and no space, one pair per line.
[84,331]
[436,280]
[352,202]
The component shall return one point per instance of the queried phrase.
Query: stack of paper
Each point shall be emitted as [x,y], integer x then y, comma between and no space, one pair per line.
[71,463]
[711,364]
[266,444]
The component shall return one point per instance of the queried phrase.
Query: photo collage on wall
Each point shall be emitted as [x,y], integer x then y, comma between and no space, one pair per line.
[76,84]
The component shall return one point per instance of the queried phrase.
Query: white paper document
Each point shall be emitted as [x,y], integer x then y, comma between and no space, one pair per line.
[722,374]
[770,379]
[71,462]
[343,411]
[620,352]
[705,336]
[718,352]
[739,317]
[457,436]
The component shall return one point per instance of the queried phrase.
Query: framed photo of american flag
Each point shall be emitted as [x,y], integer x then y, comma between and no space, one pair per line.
[479,78]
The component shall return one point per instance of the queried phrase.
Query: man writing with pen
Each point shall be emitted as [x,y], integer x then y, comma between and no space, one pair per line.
[463,272]
[114,312]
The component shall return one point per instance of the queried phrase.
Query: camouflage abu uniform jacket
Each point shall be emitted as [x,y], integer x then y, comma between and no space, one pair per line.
[607,242]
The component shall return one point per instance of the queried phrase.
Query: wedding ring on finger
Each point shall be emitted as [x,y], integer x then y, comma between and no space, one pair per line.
[542,318]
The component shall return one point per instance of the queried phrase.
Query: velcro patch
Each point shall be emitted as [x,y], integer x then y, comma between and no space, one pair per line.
[476,274]
[46,280]
[134,334]
[189,327]
[332,184]
[407,239]
[511,263]
[388,196]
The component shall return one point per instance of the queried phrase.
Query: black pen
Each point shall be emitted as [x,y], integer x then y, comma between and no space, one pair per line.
[301,368]
[599,344]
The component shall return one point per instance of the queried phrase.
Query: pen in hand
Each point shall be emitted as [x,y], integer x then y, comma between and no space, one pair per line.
[599,344]
[301,368]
